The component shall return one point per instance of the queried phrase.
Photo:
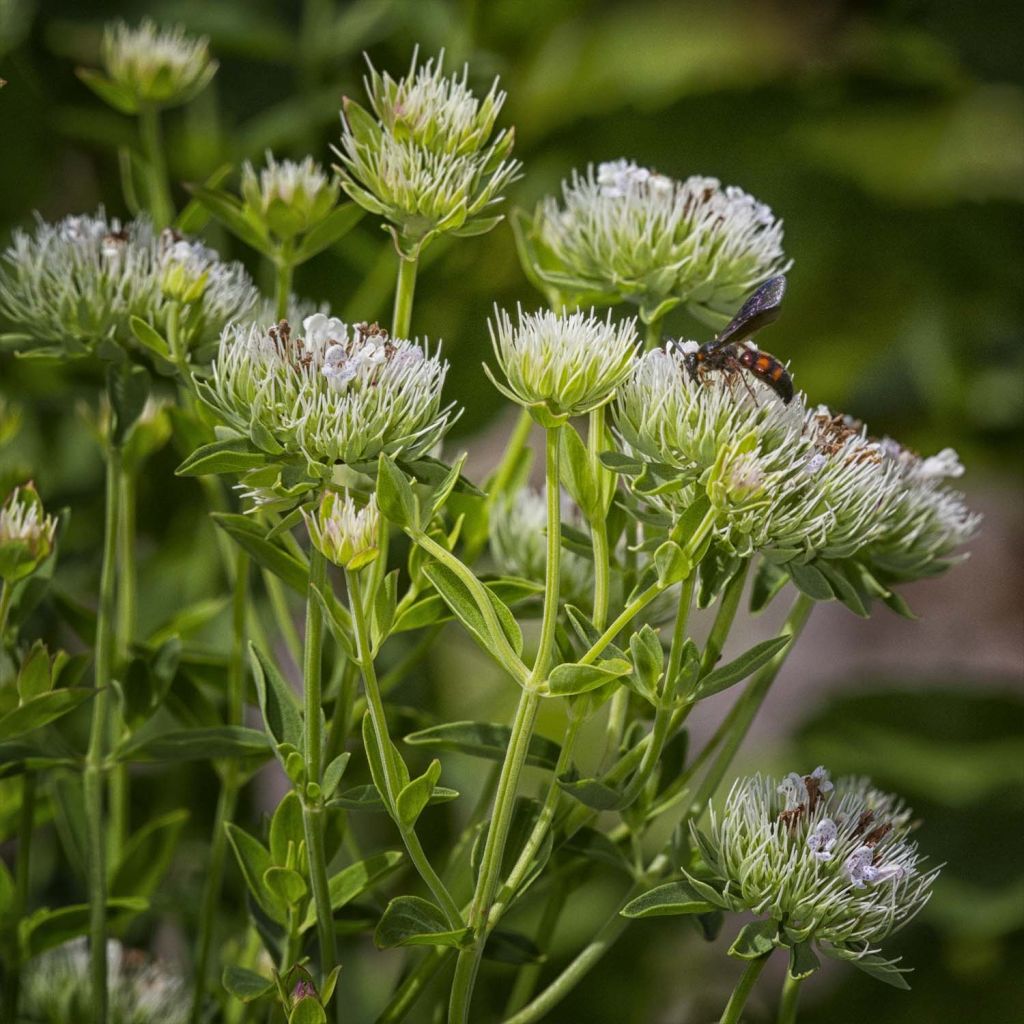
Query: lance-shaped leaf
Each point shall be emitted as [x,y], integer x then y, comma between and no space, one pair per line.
[412,921]
[354,880]
[46,929]
[42,710]
[566,680]
[147,855]
[233,455]
[415,795]
[270,554]
[200,744]
[278,702]
[484,739]
[755,940]
[750,661]
[244,984]
[678,897]
[338,223]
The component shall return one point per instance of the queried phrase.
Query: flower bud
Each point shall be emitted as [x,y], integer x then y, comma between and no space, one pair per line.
[424,160]
[561,365]
[26,534]
[151,67]
[344,534]
[624,233]
[287,197]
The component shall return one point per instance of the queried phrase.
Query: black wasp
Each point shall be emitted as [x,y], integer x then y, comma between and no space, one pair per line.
[727,353]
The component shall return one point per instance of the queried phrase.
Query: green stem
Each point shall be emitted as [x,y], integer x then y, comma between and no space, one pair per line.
[312,809]
[405,288]
[529,974]
[161,209]
[106,643]
[468,963]
[412,986]
[228,796]
[6,595]
[599,523]
[652,339]
[284,270]
[26,823]
[378,719]
[738,999]
[790,999]
[727,608]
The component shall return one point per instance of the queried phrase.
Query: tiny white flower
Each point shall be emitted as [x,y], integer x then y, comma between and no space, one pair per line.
[822,838]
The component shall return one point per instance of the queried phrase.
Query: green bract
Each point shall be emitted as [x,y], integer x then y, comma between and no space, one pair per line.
[150,67]
[79,282]
[626,234]
[424,161]
[828,864]
[289,197]
[26,534]
[344,534]
[332,394]
[561,365]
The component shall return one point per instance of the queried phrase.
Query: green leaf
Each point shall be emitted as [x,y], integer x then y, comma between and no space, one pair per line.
[566,680]
[226,209]
[665,900]
[34,676]
[278,702]
[577,473]
[42,710]
[234,455]
[810,581]
[366,798]
[6,893]
[147,855]
[883,970]
[199,744]
[254,862]
[395,496]
[648,660]
[354,880]
[768,581]
[307,1011]
[755,940]
[286,884]
[591,792]
[251,537]
[333,774]
[150,339]
[244,984]
[671,563]
[115,95]
[46,929]
[802,961]
[128,388]
[338,223]
[484,739]
[457,596]
[415,795]
[286,828]
[412,921]
[739,668]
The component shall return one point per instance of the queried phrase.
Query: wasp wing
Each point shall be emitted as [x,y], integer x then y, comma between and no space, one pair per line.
[761,309]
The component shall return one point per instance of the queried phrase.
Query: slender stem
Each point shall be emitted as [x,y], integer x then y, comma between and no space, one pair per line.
[161,209]
[312,809]
[468,963]
[790,999]
[6,595]
[405,288]
[653,336]
[599,523]
[637,605]
[284,270]
[378,719]
[738,999]
[26,823]
[106,642]
[526,979]
[228,796]
[727,608]
[412,987]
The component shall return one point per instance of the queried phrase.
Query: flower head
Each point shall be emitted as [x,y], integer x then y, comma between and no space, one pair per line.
[330,394]
[561,365]
[26,534]
[289,197]
[518,526]
[830,862]
[79,282]
[57,987]
[623,233]
[148,66]
[424,159]
[345,534]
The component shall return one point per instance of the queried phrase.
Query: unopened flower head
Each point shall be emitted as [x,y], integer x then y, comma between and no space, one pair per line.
[330,393]
[518,530]
[929,522]
[288,197]
[561,365]
[345,534]
[57,988]
[26,534]
[730,439]
[425,159]
[79,281]
[832,860]
[623,233]
[153,67]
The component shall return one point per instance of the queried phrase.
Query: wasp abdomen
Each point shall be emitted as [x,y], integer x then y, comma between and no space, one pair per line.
[767,368]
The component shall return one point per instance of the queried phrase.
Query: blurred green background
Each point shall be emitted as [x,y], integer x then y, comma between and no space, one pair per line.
[889,135]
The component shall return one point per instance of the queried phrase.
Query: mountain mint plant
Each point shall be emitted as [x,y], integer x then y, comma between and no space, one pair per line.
[323,455]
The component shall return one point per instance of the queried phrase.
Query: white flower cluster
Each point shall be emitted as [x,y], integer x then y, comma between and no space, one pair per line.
[154,66]
[289,196]
[518,530]
[23,521]
[79,281]
[834,860]
[332,393]
[626,233]
[426,161]
[561,365]
[56,987]
[344,533]
[791,482]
